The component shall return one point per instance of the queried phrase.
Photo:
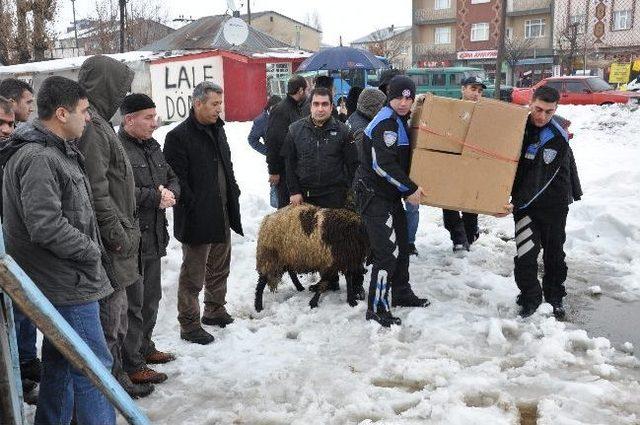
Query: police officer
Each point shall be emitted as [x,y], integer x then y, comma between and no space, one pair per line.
[463,226]
[380,184]
[542,192]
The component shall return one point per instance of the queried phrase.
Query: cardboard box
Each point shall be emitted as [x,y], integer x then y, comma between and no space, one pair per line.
[465,154]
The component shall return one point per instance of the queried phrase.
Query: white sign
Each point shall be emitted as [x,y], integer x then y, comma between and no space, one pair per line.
[477,54]
[172,84]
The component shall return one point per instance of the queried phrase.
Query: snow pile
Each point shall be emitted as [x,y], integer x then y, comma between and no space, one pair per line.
[467,359]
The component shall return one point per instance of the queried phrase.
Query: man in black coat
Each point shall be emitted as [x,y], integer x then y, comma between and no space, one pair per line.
[288,111]
[156,190]
[208,209]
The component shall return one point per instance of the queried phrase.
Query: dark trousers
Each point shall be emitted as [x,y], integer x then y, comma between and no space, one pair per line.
[203,265]
[113,317]
[463,227]
[283,191]
[26,336]
[536,230]
[144,299]
[386,225]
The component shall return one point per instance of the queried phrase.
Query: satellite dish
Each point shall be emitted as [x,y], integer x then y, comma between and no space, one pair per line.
[235,31]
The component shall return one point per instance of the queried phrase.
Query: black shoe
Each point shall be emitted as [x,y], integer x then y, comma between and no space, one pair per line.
[135,390]
[30,397]
[31,370]
[384,318]
[409,299]
[474,238]
[558,310]
[461,247]
[412,249]
[221,321]
[360,293]
[520,300]
[28,385]
[199,336]
[528,308]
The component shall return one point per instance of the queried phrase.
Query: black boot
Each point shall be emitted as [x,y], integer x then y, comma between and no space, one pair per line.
[558,309]
[409,299]
[383,317]
[412,249]
[529,307]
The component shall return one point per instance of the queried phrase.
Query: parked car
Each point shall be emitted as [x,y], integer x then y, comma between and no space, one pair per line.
[446,82]
[579,90]
[634,85]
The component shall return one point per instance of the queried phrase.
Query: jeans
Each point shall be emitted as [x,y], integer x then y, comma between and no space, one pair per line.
[413,218]
[64,388]
[26,336]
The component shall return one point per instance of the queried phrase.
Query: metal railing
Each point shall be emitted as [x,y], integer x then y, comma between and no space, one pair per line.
[26,295]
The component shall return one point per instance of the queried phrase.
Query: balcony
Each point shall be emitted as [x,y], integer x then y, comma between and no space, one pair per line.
[528,7]
[431,16]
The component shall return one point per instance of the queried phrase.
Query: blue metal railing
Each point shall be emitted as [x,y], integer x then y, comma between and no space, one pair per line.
[26,295]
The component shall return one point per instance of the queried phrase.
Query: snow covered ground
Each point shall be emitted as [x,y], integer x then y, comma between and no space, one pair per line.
[467,359]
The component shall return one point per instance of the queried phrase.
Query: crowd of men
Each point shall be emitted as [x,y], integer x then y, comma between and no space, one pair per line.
[84,210]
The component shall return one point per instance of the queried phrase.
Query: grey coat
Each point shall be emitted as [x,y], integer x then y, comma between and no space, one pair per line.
[107,82]
[49,225]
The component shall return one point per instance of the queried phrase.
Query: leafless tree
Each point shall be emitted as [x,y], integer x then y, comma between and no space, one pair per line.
[430,53]
[43,14]
[567,45]
[23,32]
[7,26]
[313,20]
[394,47]
[516,49]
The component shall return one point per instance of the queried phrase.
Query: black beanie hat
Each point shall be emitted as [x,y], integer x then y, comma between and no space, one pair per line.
[136,102]
[401,86]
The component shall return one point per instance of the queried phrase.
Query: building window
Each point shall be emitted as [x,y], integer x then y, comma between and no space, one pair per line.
[443,35]
[277,76]
[579,21]
[442,4]
[479,1]
[439,80]
[509,33]
[480,32]
[534,28]
[621,20]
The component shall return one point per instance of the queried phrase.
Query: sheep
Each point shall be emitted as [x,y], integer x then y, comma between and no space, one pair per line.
[306,239]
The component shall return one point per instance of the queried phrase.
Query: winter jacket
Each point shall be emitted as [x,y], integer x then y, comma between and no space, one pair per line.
[543,177]
[49,225]
[150,170]
[282,116]
[107,81]
[384,165]
[258,131]
[357,123]
[319,158]
[200,156]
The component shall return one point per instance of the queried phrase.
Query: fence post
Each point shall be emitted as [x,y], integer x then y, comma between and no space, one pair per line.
[11,411]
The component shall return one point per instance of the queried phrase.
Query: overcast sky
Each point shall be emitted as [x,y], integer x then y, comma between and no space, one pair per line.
[350,19]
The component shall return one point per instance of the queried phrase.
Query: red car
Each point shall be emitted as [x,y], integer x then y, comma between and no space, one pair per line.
[578,90]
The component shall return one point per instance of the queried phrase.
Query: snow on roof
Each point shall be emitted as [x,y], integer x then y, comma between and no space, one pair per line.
[381,35]
[76,62]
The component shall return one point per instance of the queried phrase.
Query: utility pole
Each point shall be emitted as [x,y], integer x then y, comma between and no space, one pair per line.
[123,5]
[500,56]
[75,26]
[249,12]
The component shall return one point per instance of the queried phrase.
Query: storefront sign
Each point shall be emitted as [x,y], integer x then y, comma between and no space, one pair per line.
[620,73]
[477,54]
[172,84]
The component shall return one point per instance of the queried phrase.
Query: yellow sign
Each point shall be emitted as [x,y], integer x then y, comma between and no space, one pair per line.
[636,65]
[620,73]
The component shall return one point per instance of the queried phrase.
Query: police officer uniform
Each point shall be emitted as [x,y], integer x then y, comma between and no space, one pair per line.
[380,184]
[541,195]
